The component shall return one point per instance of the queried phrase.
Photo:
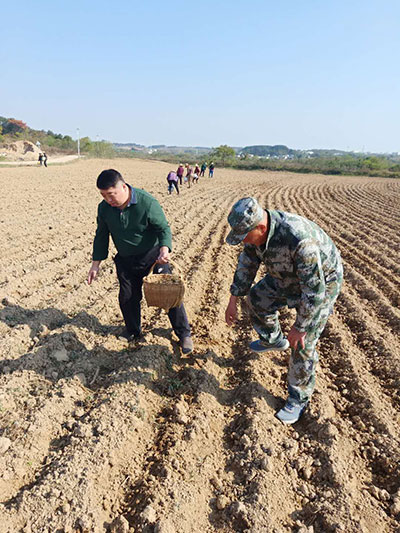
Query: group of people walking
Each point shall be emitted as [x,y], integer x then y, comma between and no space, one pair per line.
[303,271]
[178,177]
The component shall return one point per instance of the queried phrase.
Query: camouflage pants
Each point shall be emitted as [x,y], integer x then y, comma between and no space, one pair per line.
[264,301]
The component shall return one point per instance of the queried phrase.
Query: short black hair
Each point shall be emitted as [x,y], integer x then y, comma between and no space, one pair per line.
[109,178]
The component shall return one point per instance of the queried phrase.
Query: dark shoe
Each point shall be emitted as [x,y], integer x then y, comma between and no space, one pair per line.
[186,345]
[124,335]
[261,346]
[137,339]
[291,412]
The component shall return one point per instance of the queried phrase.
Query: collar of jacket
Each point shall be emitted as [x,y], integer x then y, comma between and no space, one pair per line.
[271,229]
[133,197]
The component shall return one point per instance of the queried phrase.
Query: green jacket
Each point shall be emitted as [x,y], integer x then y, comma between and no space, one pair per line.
[134,230]
[299,257]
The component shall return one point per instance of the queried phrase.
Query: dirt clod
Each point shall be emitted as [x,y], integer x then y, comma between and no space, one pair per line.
[222,502]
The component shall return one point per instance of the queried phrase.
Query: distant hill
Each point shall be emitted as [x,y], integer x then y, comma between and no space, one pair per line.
[277,151]
[162,148]
[129,146]
[264,150]
[282,151]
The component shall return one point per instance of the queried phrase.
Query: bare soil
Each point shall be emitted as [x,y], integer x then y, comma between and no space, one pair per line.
[19,151]
[97,436]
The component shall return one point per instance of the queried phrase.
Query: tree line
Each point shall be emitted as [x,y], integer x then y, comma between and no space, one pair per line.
[226,156]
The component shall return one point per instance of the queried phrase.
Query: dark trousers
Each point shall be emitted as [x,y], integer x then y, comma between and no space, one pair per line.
[131,271]
[171,185]
[180,179]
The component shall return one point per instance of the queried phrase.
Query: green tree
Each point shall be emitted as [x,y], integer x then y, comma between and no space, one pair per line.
[375,163]
[223,154]
[102,149]
[86,144]
[67,143]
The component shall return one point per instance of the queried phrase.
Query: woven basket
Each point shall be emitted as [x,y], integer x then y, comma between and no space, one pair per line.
[163,290]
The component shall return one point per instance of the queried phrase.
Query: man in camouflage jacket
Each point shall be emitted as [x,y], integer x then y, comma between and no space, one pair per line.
[303,271]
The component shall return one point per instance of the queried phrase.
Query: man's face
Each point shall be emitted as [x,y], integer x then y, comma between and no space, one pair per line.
[257,236]
[116,196]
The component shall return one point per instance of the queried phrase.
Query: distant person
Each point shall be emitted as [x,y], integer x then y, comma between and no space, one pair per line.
[211,170]
[172,179]
[203,169]
[45,159]
[142,237]
[40,159]
[189,172]
[303,271]
[180,172]
[196,173]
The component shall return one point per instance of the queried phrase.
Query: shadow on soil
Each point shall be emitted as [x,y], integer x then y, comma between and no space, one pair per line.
[56,355]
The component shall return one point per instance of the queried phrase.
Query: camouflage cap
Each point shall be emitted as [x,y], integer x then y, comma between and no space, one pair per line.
[245,215]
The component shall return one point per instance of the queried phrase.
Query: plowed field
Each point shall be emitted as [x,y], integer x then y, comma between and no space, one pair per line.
[97,436]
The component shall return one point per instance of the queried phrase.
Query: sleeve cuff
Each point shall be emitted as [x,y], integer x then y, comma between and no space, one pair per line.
[236,292]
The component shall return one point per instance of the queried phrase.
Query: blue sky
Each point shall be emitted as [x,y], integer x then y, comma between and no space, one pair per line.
[309,74]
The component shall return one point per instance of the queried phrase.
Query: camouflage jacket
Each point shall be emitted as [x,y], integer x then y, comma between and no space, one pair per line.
[300,258]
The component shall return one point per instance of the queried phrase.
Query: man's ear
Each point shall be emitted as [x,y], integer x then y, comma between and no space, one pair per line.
[262,226]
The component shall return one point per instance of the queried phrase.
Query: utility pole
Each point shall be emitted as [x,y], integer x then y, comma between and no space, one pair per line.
[79,142]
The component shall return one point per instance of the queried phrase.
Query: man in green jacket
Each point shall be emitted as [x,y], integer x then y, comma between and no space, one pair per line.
[303,271]
[142,236]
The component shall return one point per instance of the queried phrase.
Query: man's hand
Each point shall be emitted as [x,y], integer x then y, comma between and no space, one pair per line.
[94,269]
[163,256]
[296,337]
[231,311]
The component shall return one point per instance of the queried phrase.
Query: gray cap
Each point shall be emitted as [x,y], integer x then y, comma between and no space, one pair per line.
[245,215]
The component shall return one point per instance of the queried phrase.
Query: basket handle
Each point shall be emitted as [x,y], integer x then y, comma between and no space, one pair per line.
[172,263]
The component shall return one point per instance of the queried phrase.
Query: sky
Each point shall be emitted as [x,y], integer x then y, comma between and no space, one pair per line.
[310,74]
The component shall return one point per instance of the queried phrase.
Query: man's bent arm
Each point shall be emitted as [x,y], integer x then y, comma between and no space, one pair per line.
[159,223]
[246,271]
[312,284]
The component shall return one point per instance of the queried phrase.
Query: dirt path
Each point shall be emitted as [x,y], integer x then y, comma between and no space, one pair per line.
[98,437]
[51,160]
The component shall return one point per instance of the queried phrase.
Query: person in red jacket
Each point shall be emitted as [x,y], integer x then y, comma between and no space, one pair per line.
[180,172]
[196,173]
